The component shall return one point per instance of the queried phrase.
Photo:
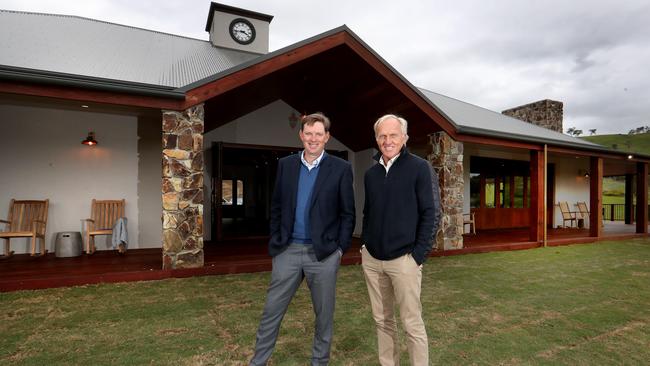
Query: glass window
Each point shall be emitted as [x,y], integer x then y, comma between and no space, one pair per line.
[519,192]
[499,183]
[474,190]
[240,192]
[527,191]
[504,192]
[490,192]
[226,192]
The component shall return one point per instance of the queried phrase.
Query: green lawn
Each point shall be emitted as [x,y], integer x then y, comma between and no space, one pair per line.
[575,305]
[613,191]
[637,143]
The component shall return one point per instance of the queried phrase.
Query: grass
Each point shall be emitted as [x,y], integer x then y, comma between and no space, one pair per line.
[637,143]
[575,305]
[614,190]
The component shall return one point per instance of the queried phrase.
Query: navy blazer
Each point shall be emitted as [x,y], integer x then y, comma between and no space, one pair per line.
[331,206]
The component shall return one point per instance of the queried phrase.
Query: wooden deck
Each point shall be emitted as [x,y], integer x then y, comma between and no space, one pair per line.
[23,272]
[517,239]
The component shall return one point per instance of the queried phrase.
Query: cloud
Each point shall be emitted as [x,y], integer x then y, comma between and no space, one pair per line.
[591,55]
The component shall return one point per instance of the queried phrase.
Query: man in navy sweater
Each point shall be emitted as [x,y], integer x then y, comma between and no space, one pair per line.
[400,218]
[312,219]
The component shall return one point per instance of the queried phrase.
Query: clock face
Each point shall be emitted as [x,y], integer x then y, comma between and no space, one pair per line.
[242,31]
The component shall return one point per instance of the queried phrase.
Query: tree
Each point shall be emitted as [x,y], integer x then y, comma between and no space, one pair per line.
[639,130]
[574,131]
[592,131]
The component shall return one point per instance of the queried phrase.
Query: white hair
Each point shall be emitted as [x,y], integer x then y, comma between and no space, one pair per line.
[402,122]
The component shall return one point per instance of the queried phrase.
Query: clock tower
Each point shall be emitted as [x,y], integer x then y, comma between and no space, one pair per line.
[238,29]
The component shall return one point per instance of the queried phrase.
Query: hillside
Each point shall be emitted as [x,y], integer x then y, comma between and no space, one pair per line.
[638,143]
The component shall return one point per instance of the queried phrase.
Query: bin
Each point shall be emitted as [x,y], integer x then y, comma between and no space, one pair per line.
[68,244]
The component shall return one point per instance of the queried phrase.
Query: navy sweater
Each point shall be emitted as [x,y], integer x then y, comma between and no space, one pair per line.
[401,213]
[301,225]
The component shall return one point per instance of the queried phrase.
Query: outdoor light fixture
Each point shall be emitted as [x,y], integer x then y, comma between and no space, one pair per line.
[90,140]
[583,173]
[630,156]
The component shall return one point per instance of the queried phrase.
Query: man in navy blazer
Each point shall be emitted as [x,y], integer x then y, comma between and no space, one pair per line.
[312,220]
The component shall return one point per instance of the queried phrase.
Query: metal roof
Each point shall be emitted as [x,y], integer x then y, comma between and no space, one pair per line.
[93,48]
[474,120]
[71,46]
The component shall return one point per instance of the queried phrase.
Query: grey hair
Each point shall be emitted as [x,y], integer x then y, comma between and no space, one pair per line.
[402,122]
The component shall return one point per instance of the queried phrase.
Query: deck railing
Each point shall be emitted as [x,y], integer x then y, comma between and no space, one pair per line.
[616,212]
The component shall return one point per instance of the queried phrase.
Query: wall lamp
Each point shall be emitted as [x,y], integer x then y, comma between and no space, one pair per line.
[583,173]
[90,140]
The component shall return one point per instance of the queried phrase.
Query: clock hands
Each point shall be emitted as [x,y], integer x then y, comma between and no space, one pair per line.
[248,33]
[242,31]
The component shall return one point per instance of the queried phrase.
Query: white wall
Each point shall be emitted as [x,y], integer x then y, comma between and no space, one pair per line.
[42,157]
[150,181]
[269,125]
[569,185]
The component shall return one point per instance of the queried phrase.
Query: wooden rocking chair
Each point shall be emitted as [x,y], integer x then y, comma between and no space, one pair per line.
[583,210]
[568,215]
[26,219]
[103,215]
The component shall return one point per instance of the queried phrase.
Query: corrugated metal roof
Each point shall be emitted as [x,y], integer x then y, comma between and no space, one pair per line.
[480,121]
[82,46]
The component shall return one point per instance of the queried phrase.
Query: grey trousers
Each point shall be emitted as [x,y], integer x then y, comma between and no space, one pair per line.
[298,261]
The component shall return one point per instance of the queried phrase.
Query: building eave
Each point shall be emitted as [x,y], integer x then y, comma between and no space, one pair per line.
[560,145]
[23,75]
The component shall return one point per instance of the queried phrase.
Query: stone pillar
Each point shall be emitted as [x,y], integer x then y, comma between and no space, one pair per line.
[447,159]
[182,188]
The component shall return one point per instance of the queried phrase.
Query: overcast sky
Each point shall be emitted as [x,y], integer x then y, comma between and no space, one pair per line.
[594,56]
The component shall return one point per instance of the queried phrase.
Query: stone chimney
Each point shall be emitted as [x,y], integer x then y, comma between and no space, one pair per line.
[544,113]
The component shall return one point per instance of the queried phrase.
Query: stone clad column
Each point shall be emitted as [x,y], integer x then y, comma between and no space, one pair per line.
[182,188]
[447,159]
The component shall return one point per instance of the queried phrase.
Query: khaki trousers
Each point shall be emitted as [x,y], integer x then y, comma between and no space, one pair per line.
[396,281]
